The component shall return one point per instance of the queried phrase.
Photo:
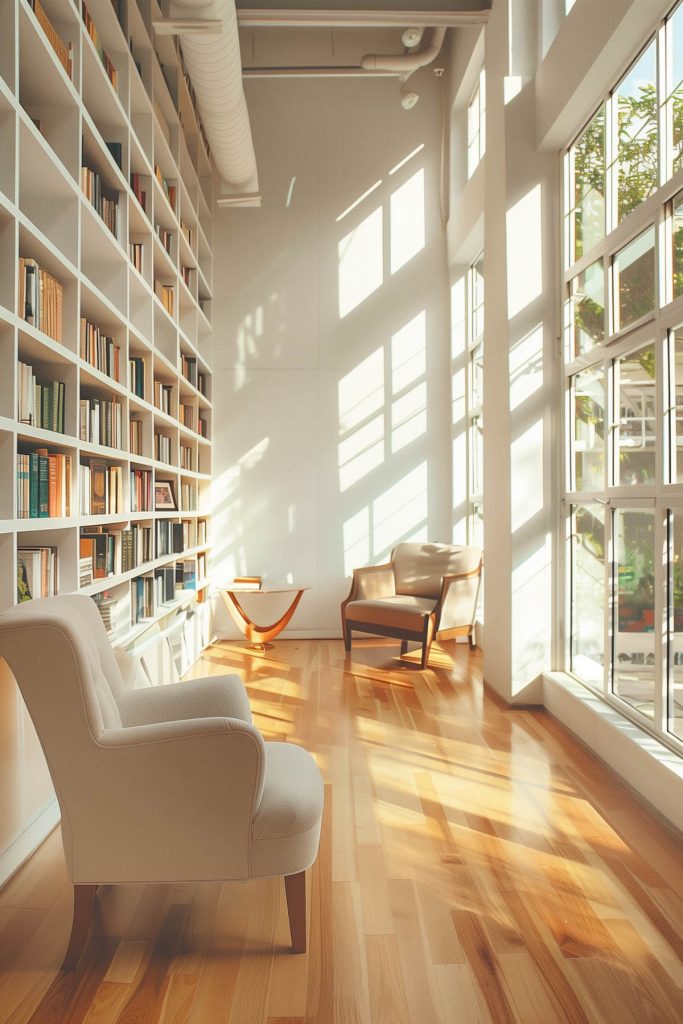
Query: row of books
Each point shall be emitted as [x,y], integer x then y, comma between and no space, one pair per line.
[140,490]
[170,191]
[170,537]
[40,298]
[202,427]
[111,552]
[185,457]
[64,51]
[101,421]
[107,62]
[166,295]
[101,489]
[136,183]
[43,485]
[135,436]
[162,396]
[186,415]
[186,273]
[40,405]
[162,448]
[136,375]
[103,198]
[37,572]
[136,255]
[141,598]
[188,497]
[165,237]
[188,368]
[99,349]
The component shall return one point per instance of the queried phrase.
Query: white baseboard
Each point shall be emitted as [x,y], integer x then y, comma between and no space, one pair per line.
[21,848]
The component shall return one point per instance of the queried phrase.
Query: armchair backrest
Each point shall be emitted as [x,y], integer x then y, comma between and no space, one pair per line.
[419,569]
[61,658]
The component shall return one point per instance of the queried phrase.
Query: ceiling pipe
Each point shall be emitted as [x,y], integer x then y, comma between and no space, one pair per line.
[406,64]
[213,62]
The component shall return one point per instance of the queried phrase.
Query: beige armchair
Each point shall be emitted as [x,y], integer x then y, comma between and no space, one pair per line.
[163,784]
[425,591]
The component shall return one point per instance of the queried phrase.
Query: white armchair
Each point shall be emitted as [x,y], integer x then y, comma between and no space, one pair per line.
[424,591]
[162,784]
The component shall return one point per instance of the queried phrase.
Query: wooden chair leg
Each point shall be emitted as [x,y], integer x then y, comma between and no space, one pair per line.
[295,889]
[347,640]
[427,643]
[404,647]
[84,903]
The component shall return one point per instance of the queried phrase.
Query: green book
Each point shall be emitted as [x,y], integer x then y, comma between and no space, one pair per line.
[33,485]
[60,407]
[44,408]
[43,486]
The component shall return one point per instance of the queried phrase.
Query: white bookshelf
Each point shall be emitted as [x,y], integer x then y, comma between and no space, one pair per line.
[45,215]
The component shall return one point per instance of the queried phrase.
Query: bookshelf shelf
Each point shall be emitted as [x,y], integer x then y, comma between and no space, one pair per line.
[61,113]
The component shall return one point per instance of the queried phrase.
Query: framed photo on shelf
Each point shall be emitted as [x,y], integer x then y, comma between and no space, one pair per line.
[164,498]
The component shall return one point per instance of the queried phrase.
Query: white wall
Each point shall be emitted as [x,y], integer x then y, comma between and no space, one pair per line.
[332,431]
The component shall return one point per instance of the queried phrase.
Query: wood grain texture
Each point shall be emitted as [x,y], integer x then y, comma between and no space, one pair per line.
[477,865]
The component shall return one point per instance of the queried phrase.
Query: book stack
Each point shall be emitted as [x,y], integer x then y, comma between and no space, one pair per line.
[169,190]
[164,584]
[84,572]
[36,573]
[136,546]
[40,298]
[103,549]
[246,583]
[101,421]
[140,490]
[64,51]
[43,485]
[185,457]
[103,55]
[104,199]
[169,538]
[136,255]
[162,448]
[187,414]
[166,237]
[166,295]
[136,375]
[188,368]
[40,405]
[188,497]
[101,488]
[186,575]
[112,612]
[162,396]
[135,428]
[138,191]
[99,350]
[141,598]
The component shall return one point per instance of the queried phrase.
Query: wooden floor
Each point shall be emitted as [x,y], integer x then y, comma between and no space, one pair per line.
[476,865]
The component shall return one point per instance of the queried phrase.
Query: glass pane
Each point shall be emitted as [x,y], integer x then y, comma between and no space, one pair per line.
[633,672]
[678,245]
[589,429]
[588,592]
[675,87]
[636,107]
[675,706]
[677,403]
[635,441]
[477,285]
[588,159]
[634,279]
[586,309]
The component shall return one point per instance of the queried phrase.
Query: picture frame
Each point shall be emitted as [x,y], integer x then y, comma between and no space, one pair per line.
[164,496]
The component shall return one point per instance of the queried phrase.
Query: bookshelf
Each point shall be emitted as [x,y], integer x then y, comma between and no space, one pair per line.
[105,191]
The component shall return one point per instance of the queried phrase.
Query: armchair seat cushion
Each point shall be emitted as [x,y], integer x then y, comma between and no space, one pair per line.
[286,828]
[402,611]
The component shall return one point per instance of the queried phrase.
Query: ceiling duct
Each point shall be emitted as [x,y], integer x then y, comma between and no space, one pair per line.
[214,64]
[406,64]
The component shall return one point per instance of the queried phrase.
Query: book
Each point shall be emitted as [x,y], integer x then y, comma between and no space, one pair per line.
[37,572]
[40,298]
[64,51]
[246,583]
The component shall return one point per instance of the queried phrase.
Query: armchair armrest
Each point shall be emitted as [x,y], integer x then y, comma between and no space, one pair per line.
[208,697]
[458,599]
[372,582]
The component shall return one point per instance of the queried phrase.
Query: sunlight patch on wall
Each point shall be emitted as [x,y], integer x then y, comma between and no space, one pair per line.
[458,317]
[526,367]
[409,353]
[524,251]
[356,535]
[409,417]
[531,614]
[407,221]
[361,452]
[459,400]
[360,392]
[360,262]
[526,480]
[401,512]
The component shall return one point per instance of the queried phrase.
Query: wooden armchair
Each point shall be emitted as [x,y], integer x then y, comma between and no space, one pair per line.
[424,591]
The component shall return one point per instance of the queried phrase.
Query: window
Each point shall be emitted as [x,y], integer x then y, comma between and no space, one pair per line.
[476,125]
[623,357]
[475,411]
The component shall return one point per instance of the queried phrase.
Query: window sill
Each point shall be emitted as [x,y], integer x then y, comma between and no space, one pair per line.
[650,768]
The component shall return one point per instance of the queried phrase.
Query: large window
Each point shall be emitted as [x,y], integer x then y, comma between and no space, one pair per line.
[476,125]
[623,356]
[475,412]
